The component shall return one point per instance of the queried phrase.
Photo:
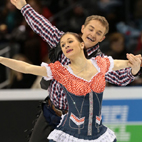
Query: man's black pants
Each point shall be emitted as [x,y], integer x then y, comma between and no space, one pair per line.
[41,130]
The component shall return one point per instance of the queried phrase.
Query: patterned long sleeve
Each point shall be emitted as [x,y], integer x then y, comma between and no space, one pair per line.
[41,26]
[120,77]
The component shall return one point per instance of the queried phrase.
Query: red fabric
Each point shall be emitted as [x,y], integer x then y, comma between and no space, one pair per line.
[77,85]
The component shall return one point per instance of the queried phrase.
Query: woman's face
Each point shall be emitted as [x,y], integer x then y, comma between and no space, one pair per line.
[71,46]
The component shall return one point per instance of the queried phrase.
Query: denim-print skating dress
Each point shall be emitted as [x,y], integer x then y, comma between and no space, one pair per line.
[83,122]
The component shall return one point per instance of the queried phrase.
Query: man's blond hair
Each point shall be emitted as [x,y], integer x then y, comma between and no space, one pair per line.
[102,20]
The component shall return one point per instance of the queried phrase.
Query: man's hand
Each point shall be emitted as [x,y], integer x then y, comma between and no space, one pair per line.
[18,3]
[135,62]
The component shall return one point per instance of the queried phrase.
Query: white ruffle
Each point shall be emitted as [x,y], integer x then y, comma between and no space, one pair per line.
[49,73]
[61,120]
[111,63]
[60,136]
[93,62]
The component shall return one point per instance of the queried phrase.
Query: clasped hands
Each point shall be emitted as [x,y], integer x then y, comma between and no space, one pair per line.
[135,62]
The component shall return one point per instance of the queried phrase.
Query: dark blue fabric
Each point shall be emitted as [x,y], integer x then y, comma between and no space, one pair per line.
[50,116]
[54,141]
[51,141]
[76,104]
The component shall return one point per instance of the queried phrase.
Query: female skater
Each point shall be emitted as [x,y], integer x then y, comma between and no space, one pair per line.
[83,81]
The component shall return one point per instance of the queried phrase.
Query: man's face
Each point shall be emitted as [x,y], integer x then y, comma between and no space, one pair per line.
[93,33]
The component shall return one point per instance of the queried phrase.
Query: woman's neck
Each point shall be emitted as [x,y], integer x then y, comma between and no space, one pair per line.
[78,63]
[83,68]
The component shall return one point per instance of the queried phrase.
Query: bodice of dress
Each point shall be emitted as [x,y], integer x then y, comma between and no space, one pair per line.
[84,115]
[77,85]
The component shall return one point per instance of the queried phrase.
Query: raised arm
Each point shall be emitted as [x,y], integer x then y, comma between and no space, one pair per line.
[125,76]
[39,23]
[23,67]
[120,64]
[120,77]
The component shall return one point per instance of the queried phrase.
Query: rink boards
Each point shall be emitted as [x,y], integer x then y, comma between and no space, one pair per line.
[123,114]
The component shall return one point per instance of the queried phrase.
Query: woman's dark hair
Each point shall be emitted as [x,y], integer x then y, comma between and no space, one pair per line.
[78,37]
